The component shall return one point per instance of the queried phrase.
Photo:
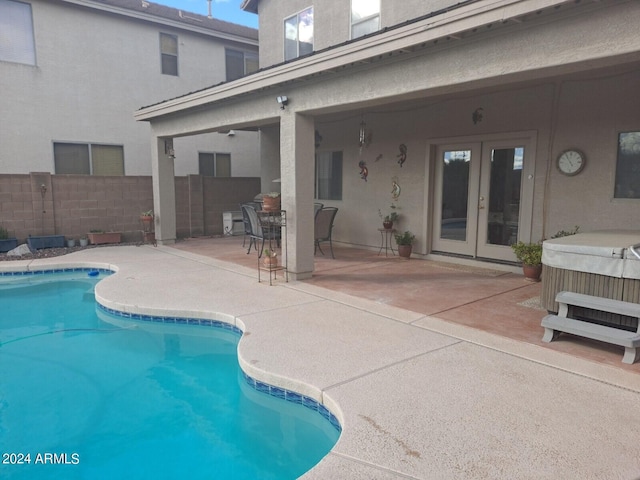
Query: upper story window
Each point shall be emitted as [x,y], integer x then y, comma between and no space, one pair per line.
[365,17]
[17,43]
[169,54]
[298,34]
[88,159]
[628,166]
[239,64]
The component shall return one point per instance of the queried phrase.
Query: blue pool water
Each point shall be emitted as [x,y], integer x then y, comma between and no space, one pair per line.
[90,395]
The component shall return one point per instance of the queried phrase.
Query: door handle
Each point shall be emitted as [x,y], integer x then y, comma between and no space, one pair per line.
[481,204]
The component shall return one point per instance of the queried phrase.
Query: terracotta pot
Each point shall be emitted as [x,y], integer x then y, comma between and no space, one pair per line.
[405,250]
[532,272]
[270,262]
[270,204]
[388,225]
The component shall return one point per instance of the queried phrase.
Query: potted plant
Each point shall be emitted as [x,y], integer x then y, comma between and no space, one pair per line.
[388,219]
[269,258]
[71,242]
[530,254]
[6,243]
[146,217]
[271,202]
[84,241]
[405,243]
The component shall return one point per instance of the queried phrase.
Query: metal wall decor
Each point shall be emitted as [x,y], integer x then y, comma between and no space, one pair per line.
[395,188]
[364,171]
[402,156]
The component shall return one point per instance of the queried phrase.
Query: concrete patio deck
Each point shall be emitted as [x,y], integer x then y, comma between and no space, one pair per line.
[434,370]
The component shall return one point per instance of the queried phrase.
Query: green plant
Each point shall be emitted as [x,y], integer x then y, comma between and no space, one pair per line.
[4,233]
[566,233]
[528,253]
[96,230]
[148,213]
[405,238]
[390,217]
[269,253]
[272,194]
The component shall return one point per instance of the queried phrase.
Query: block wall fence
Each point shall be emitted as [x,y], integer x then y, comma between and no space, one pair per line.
[73,205]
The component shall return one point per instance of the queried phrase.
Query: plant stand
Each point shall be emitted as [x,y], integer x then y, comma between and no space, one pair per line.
[271,222]
[148,233]
[386,234]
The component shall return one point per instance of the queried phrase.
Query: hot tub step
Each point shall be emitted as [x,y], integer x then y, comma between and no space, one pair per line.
[554,324]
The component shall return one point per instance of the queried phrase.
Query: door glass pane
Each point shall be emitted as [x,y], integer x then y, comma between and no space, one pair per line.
[223,165]
[504,195]
[455,194]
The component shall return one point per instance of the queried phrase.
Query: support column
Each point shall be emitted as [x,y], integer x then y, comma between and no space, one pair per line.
[164,190]
[297,169]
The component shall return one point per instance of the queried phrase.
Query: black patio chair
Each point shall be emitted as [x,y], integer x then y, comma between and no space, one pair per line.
[323,227]
[258,232]
[246,222]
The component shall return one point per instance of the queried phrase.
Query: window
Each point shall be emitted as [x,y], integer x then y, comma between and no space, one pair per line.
[628,166]
[365,17]
[215,164]
[298,34]
[169,54]
[16,33]
[239,63]
[328,176]
[88,159]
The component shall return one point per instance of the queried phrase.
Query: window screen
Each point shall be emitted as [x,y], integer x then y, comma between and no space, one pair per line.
[169,54]
[329,176]
[16,33]
[628,166]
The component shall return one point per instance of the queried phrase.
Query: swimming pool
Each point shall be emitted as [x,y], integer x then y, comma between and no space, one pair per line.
[88,393]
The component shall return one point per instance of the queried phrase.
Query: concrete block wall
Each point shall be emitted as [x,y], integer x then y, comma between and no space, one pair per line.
[72,205]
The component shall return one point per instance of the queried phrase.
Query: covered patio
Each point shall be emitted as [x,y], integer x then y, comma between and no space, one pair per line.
[490,298]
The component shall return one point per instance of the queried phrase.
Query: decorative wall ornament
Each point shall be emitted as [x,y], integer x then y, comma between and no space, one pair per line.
[395,188]
[363,135]
[476,116]
[364,171]
[402,156]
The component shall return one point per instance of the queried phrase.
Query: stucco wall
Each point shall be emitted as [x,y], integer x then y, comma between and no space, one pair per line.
[331,22]
[93,71]
[590,115]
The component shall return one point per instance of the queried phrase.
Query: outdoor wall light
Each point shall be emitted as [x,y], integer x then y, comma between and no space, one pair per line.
[283,101]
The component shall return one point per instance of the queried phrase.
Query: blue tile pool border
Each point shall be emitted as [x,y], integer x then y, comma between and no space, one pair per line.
[24,273]
[278,392]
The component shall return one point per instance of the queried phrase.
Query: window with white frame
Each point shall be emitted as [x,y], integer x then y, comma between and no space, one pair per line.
[88,159]
[628,166]
[17,42]
[239,63]
[365,17]
[212,164]
[169,54]
[328,184]
[298,34]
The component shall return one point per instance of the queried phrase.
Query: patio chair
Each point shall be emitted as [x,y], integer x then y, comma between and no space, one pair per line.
[316,208]
[256,231]
[323,227]
[246,222]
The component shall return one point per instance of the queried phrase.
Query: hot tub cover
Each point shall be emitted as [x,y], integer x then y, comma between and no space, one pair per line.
[604,252]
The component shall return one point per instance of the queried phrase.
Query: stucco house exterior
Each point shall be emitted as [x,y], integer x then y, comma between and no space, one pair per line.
[73,71]
[456,113]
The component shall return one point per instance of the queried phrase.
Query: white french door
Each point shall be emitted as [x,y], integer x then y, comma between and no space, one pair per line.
[483,197]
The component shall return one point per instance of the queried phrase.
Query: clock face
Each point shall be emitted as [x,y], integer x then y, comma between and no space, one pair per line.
[571,162]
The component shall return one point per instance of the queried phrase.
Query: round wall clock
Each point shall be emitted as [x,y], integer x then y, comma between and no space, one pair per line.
[571,162]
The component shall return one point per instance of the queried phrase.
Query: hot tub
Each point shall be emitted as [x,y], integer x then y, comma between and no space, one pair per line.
[597,263]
